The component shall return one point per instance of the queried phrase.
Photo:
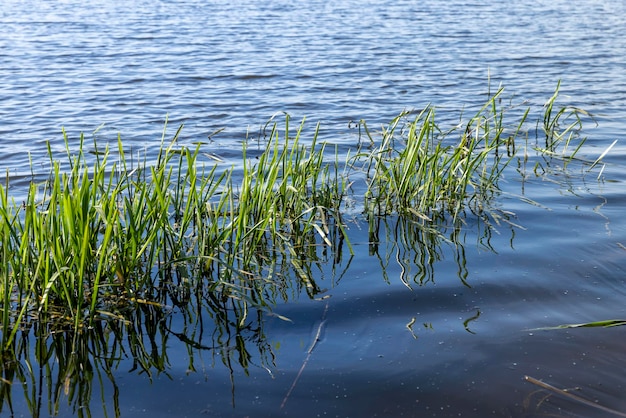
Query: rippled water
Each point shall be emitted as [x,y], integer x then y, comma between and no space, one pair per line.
[234,64]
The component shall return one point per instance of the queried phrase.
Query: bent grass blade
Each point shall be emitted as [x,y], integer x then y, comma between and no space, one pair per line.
[606,151]
[595,324]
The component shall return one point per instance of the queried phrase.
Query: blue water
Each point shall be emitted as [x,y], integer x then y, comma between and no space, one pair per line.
[122,67]
[234,64]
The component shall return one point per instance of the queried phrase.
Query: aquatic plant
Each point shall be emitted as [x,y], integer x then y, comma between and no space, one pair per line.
[423,172]
[88,243]
[562,126]
[420,170]
[99,235]
[109,242]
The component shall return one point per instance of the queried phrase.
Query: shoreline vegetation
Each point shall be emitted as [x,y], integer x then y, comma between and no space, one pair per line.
[106,242]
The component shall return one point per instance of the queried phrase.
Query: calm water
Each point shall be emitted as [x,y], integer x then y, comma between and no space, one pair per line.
[234,64]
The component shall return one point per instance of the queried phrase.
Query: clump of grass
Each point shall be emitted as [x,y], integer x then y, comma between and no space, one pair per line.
[417,169]
[561,127]
[92,241]
[100,235]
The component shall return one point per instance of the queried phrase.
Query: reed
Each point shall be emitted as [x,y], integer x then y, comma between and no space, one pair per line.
[102,235]
[420,170]
[97,255]
[561,126]
[91,242]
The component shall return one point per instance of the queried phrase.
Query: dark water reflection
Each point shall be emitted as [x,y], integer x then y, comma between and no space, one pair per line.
[425,324]
[66,371]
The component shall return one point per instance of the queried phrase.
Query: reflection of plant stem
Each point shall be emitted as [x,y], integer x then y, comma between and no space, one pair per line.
[409,326]
[468,320]
[318,333]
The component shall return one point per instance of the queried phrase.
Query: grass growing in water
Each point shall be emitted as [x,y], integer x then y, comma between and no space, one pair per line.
[101,239]
[423,173]
[93,242]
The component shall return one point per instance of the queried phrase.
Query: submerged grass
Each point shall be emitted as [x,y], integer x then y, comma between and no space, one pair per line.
[100,239]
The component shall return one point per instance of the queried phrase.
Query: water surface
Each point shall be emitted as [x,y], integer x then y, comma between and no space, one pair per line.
[472,312]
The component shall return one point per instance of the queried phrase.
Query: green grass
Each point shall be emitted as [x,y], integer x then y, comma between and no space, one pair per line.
[561,127]
[98,256]
[86,243]
[104,233]
[425,172]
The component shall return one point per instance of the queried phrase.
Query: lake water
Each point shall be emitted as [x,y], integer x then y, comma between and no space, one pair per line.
[442,348]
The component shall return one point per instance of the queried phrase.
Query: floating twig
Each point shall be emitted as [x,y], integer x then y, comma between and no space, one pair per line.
[573,397]
[316,339]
